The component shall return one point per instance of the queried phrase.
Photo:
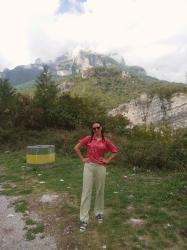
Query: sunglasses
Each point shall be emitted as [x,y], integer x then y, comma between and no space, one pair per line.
[96,128]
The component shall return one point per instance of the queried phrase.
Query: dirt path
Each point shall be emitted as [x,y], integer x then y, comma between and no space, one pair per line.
[12,233]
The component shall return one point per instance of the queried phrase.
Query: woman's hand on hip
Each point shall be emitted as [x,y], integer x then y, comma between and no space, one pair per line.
[105,161]
[85,160]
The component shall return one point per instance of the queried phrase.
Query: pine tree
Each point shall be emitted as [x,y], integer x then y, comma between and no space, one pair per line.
[45,98]
[8,101]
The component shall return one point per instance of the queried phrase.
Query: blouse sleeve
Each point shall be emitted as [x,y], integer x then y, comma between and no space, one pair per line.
[84,141]
[111,147]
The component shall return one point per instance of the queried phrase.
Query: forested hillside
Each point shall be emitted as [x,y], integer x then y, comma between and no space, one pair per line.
[38,118]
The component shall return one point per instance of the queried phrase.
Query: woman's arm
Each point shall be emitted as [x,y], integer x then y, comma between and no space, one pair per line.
[78,152]
[110,158]
[112,149]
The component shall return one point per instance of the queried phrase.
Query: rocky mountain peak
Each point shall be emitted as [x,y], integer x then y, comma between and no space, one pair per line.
[69,64]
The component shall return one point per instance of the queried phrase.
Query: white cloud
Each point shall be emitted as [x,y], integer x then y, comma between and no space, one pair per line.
[144,31]
[18,19]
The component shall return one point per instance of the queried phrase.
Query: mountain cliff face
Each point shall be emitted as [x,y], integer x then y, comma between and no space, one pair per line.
[148,109]
[67,65]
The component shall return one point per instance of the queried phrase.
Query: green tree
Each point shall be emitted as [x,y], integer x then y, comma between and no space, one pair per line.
[8,102]
[45,98]
[27,115]
[76,112]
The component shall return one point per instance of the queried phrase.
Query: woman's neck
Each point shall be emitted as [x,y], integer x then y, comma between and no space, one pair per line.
[99,136]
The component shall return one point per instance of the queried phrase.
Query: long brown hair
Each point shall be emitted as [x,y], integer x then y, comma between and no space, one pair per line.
[102,132]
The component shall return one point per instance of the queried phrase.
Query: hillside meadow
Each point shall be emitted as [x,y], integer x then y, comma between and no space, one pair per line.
[144,209]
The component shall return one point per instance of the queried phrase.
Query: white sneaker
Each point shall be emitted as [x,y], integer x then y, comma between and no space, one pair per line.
[99,218]
[83,226]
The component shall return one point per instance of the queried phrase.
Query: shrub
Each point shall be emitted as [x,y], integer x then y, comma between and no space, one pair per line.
[166,91]
[148,149]
[178,149]
[117,124]
[76,112]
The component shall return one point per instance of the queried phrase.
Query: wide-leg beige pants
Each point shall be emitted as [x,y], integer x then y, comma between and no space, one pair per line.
[92,172]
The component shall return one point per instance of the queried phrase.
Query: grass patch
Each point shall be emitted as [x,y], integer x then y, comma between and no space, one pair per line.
[30,222]
[156,198]
[72,210]
[20,206]
[32,232]
[15,192]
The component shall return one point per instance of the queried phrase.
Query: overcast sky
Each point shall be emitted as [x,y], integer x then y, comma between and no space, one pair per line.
[148,33]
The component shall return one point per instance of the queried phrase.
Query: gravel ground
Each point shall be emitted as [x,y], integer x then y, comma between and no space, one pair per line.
[12,235]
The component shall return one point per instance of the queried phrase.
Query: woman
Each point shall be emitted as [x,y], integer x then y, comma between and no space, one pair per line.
[94,169]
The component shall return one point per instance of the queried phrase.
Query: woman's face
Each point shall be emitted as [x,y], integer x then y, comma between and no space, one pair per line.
[96,127]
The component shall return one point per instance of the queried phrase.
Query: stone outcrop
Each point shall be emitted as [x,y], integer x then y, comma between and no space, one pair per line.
[148,109]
